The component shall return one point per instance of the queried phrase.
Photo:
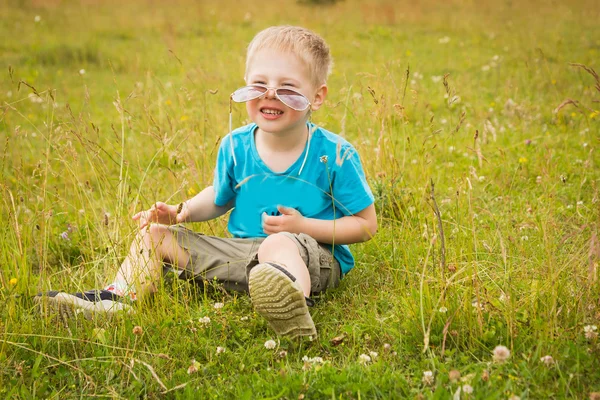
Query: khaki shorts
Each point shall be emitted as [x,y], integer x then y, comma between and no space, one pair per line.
[229,260]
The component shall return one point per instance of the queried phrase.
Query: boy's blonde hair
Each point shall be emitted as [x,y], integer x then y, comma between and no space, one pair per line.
[310,47]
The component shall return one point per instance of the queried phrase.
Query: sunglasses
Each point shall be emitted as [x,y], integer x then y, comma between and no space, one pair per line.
[291,98]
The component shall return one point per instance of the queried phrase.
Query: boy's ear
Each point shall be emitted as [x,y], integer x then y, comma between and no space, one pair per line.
[319,98]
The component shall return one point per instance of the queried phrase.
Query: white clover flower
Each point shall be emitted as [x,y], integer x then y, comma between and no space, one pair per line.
[428,378]
[373,355]
[501,354]
[468,389]
[220,350]
[194,367]
[364,359]
[443,310]
[590,328]
[218,306]
[312,360]
[81,71]
[547,360]
[270,344]
[204,320]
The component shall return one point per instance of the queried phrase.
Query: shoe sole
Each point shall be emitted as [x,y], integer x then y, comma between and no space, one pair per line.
[281,302]
[68,306]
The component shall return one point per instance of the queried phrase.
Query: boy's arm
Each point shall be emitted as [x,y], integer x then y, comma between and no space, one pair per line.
[359,227]
[199,208]
[202,207]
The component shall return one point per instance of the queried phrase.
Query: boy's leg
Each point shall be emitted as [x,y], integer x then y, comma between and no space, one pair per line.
[282,250]
[142,267]
[136,276]
[291,266]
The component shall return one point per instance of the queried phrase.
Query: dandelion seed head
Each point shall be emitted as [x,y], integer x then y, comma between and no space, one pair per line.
[468,389]
[501,354]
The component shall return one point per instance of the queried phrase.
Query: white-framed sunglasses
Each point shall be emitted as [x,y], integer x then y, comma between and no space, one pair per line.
[291,98]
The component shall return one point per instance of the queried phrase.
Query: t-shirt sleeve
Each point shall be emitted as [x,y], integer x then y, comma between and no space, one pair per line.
[224,182]
[351,191]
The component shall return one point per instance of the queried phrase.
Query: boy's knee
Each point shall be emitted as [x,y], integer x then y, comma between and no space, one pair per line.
[274,244]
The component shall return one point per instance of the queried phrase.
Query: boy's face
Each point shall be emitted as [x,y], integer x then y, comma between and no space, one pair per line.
[277,69]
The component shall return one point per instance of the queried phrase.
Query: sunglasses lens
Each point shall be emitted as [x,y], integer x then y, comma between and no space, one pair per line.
[293,99]
[248,93]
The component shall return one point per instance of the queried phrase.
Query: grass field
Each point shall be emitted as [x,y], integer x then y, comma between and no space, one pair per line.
[107,107]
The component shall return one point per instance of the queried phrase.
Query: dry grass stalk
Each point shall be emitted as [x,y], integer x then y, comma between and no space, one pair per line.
[591,72]
[565,103]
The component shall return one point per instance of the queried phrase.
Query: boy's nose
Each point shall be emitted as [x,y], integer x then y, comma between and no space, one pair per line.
[270,93]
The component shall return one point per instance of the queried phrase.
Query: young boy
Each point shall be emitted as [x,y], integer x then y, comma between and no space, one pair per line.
[297,192]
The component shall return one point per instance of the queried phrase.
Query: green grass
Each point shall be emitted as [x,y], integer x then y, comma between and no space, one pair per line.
[519,204]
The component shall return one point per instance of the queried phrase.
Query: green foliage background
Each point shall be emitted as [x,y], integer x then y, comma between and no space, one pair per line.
[107,107]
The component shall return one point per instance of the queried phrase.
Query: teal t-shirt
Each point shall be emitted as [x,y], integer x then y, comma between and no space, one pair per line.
[326,182]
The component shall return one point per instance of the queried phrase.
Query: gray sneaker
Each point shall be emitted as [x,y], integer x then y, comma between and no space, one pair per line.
[279,298]
[86,303]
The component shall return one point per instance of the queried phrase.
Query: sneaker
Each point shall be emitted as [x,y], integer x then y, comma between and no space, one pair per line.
[279,298]
[89,303]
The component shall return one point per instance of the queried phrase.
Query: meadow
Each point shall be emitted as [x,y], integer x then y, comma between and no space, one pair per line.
[477,124]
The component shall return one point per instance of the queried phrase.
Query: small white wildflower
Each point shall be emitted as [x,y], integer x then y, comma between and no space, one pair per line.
[9,93]
[580,203]
[411,209]
[218,306]
[387,347]
[305,358]
[428,378]
[496,57]
[436,78]
[204,320]
[585,145]
[37,18]
[451,149]
[316,360]
[444,121]
[373,354]
[476,304]
[538,179]
[468,389]
[590,328]
[443,310]
[481,178]
[444,40]
[547,360]
[485,68]
[569,206]
[81,71]
[220,350]
[244,318]
[270,344]
[414,161]
[364,359]
[501,354]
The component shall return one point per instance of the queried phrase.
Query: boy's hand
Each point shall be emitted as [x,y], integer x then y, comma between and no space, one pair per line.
[290,220]
[160,213]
